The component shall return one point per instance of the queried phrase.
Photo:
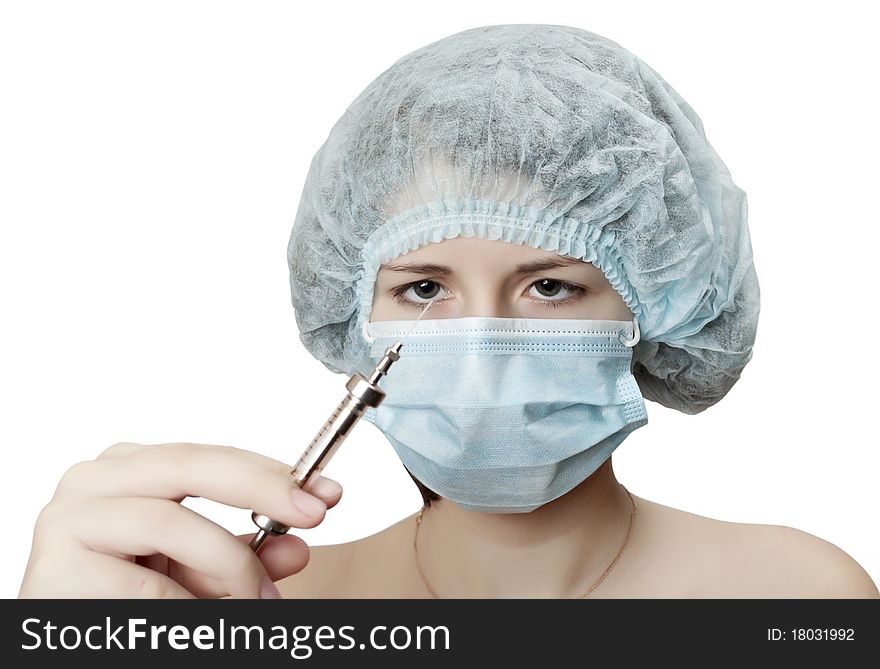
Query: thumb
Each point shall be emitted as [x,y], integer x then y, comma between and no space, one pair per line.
[282,555]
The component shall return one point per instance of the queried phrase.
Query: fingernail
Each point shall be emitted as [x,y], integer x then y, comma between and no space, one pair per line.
[268,589]
[326,487]
[307,503]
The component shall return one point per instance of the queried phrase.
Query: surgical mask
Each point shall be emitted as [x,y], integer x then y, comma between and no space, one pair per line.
[502,415]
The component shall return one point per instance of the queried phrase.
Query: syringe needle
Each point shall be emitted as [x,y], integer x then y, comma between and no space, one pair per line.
[413,326]
[392,353]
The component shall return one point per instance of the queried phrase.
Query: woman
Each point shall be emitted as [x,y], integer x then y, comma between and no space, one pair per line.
[586,542]
[583,249]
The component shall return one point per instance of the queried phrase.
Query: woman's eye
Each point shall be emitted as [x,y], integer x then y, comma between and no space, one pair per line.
[412,293]
[553,288]
[549,292]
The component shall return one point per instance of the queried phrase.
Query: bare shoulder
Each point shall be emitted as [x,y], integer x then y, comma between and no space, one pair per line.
[673,553]
[324,576]
[708,557]
[808,566]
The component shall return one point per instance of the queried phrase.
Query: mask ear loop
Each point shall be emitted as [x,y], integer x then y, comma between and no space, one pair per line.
[637,335]
[366,334]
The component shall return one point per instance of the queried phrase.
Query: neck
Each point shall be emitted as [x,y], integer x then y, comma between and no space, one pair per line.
[557,551]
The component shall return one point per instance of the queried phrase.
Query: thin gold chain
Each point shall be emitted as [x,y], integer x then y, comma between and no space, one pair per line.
[599,580]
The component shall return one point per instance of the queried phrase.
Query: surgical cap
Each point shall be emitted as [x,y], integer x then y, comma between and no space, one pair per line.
[544,135]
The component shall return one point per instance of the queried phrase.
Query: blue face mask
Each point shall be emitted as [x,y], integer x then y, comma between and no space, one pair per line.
[502,415]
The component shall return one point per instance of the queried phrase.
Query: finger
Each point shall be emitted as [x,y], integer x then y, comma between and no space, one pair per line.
[329,490]
[174,471]
[120,449]
[121,579]
[90,575]
[124,448]
[147,526]
[281,556]
[323,487]
[199,584]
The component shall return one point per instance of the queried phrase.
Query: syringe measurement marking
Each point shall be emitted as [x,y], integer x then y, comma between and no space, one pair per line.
[324,428]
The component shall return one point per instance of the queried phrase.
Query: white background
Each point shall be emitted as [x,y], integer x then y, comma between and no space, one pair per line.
[152,156]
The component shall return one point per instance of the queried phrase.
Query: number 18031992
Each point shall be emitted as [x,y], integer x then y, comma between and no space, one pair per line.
[811,634]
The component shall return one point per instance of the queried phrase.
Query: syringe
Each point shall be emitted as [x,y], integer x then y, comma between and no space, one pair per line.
[362,393]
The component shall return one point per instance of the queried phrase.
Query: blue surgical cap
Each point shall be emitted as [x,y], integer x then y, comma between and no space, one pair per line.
[544,135]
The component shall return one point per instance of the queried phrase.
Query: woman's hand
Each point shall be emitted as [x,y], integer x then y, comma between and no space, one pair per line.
[115,526]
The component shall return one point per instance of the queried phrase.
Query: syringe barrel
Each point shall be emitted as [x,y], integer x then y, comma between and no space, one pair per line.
[361,394]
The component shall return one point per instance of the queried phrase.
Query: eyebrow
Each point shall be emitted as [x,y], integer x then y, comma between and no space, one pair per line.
[443,270]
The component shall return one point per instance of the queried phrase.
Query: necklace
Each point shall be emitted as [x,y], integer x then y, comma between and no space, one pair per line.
[599,580]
